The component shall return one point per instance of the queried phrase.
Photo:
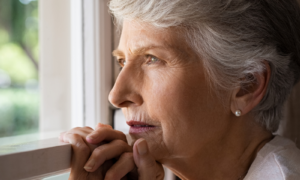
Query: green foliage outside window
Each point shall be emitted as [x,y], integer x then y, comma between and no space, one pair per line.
[19,97]
[19,112]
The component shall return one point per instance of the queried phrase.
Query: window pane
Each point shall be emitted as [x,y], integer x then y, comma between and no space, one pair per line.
[19,94]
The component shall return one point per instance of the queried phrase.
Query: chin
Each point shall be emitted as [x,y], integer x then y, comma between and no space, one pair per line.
[154,140]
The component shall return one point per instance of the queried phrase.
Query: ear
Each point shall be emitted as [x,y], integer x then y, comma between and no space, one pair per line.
[247,97]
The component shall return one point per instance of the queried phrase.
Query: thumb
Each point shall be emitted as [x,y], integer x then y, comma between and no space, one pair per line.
[148,168]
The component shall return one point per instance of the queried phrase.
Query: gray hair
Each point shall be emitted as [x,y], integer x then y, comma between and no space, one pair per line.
[235,39]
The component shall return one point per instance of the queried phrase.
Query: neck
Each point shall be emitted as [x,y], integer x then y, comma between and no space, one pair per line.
[228,156]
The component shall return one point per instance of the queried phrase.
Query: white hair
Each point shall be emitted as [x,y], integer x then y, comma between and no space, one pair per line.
[235,39]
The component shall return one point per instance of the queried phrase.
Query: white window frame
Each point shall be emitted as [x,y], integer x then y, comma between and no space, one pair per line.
[97,62]
[91,63]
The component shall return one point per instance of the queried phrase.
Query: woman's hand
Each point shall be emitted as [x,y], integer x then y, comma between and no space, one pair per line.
[138,164]
[81,152]
[110,145]
[130,165]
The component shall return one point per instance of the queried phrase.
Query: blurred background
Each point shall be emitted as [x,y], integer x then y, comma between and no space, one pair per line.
[19,67]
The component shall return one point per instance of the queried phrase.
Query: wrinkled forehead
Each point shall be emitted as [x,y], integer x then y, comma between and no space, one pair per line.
[137,35]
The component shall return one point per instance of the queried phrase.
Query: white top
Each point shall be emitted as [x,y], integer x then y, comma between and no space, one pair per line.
[279,159]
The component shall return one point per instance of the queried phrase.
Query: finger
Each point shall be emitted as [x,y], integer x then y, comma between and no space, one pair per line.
[121,168]
[100,125]
[66,139]
[82,131]
[148,168]
[80,154]
[105,134]
[105,152]
[61,135]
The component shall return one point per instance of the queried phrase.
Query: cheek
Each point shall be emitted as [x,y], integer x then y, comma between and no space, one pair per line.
[175,94]
[184,105]
[173,99]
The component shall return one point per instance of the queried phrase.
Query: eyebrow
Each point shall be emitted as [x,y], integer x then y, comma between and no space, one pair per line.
[138,51]
[117,52]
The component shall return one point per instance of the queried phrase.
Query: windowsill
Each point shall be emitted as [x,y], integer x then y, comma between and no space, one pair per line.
[34,160]
[15,140]
[39,159]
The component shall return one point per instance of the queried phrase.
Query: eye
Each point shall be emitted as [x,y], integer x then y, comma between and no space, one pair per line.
[121,62]
[152,59]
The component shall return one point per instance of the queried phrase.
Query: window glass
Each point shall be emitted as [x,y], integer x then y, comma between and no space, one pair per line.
[19,94]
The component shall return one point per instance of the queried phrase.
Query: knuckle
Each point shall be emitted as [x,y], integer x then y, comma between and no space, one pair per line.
[78,143]
[88,128]
[100,131]
[104,129]
[122,135]
[76,128]
[103,132]
[127,155]
[123,145]
[74,135]
[111,174]
[71,135]
[109,126]
[98,151]
[94,133]
[82,147]
[119,142]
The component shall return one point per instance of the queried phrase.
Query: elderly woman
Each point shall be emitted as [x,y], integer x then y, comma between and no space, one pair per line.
[202,88]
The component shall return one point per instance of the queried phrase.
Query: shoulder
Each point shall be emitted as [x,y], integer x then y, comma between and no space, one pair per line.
[277,160]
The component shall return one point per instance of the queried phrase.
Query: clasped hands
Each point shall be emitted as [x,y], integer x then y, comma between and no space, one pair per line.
[104,154]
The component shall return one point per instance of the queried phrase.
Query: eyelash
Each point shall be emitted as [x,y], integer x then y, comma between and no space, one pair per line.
[152,60]
[121,62]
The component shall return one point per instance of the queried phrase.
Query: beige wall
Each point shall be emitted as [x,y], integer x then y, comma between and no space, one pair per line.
[290,125]
[55,64]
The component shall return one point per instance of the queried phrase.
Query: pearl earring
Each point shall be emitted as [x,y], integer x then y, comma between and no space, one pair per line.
[238,113]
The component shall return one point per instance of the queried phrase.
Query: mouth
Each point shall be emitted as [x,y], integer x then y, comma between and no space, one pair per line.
[137,127]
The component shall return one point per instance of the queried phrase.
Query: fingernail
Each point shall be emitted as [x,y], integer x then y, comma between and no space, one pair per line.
[71,141]
[90,137]
[89,165]
[142,147]
[99,124]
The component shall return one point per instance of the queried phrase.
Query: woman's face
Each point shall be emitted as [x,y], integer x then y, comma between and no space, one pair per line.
[164,94]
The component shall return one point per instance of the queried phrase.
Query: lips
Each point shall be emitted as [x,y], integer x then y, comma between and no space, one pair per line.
[142,126]
[139,127]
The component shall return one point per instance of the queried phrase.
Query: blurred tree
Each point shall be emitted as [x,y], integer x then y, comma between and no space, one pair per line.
[19,19]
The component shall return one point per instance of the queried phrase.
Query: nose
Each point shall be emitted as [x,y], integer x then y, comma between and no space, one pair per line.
[127,89]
